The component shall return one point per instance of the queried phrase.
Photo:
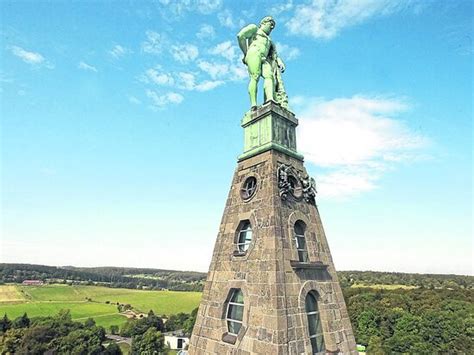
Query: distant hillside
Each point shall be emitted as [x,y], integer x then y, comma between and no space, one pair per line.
[435,281]
[193,281]
[106,276]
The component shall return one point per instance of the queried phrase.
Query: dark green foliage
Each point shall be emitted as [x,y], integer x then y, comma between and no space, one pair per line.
[21,322]
[58,334]
[149,343]
[89,323]
[5,324]
[182,321]
[114,329]
[140,326]
[412,321]
[112,349]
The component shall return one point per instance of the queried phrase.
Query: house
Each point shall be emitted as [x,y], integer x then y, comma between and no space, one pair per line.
[32,283]
[176,340]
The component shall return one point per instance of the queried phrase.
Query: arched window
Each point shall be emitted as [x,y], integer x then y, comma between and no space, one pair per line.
[300,242]
[314,323]
[245,236]
[235,312]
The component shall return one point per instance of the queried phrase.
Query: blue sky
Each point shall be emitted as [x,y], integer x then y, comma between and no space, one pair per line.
[120,128]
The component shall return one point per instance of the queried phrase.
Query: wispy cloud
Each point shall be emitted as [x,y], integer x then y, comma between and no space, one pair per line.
[226,49]
[287,52]
[206,32]
[154,42]
[180,7]
[184,53]
[87,67]
[356,140]
[326,18]
[33,58]
[226,19]
[277,9]
[157,76]
[180,80]
[160,101]
[118,51]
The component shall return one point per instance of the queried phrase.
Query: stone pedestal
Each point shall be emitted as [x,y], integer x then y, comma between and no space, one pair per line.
[271,273]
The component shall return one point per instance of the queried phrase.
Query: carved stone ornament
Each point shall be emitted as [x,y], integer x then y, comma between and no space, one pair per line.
[309,188]
[291,181]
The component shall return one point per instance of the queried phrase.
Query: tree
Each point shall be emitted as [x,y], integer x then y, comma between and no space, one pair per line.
[112,349]
[114,329]
[21,322]
[150,343]
[89,323]
[5,324]
[375,346]
[189,324]
[10,341]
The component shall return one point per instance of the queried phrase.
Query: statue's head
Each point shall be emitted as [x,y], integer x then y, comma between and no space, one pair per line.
[267,24]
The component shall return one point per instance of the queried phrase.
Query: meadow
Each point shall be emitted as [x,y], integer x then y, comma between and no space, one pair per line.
[96,302]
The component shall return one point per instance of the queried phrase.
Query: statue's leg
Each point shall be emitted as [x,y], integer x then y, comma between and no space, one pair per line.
[269,81]
[254,66]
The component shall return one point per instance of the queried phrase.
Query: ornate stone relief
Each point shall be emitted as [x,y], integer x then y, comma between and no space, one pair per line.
[294,183]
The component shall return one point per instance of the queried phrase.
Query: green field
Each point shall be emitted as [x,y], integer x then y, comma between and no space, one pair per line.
[49,299]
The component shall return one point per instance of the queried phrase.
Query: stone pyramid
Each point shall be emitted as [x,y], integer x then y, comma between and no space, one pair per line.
[271,287]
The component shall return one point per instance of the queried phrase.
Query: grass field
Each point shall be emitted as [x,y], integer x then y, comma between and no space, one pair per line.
[49,299]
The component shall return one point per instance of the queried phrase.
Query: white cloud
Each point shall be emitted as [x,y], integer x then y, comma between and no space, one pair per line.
[32,58]
[227,50]
[187,81]
[208,6]
[154,42]
[279,8]
[184,53]
[160,101]
[118,51]
[223,71]
[206,32]
[215,70]
[87,67]
[180,7]
[155,75]
[356,139]
[209,85]
[287,52]
[226,19]
[326,18]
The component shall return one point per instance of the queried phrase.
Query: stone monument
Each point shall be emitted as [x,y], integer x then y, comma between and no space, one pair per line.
[271,287]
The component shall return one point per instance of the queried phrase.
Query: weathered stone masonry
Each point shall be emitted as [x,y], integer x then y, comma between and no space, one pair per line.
[273,282]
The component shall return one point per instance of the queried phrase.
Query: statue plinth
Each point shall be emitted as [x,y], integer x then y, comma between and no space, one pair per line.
[268,127]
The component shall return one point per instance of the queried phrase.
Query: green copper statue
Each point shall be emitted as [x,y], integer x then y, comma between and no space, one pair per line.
[261,58]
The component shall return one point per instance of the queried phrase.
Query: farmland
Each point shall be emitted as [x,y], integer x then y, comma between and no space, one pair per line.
[96,302]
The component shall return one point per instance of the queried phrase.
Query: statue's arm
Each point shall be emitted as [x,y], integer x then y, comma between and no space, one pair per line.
[279,61]
[244,34]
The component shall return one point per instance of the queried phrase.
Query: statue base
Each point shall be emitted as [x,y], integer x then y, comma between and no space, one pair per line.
[269,127]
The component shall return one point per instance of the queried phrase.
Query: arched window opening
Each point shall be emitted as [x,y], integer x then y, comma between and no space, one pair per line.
[235,312]
[300,242]
[245,236]
[314,323]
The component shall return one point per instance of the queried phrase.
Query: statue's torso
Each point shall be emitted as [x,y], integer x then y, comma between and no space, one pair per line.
[260,44]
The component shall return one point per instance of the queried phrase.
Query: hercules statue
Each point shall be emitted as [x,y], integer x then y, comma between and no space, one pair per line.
[261,58]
